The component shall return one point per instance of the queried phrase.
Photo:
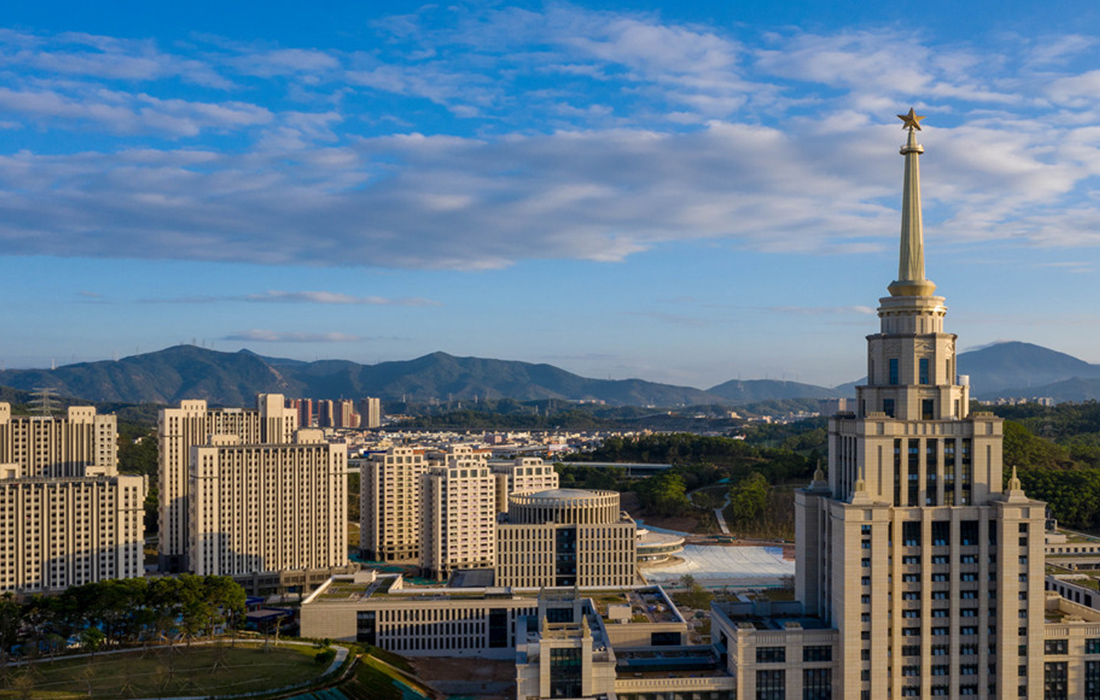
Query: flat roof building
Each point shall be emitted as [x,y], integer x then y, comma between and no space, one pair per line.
[268,507]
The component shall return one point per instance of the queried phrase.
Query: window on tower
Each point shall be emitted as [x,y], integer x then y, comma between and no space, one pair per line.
[893,370]
[923,365]
[888,407]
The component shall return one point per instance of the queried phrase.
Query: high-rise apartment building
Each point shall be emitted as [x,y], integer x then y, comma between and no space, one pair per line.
[371,411]
[57,532]
[304,408]
[267,507]
[326,413]
[346,417]
[66,516]
[522,475]
[58,446]
[458,502]
[192,423]
[389,504]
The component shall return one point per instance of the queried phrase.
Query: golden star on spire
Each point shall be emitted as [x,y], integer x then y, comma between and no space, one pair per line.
[912,120]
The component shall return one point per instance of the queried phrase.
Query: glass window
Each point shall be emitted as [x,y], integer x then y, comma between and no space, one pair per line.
[771,655]
[770,685]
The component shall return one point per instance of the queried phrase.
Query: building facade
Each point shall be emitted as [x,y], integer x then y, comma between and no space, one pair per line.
[370,409]
[522,475]
[389,505]
[51,446]
[566,538]
[458,506]
[57,532]
[267,507]
[192,423]
[918,570]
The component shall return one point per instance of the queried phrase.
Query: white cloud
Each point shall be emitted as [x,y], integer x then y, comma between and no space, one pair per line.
[581,134]
[320,297]
[266,336]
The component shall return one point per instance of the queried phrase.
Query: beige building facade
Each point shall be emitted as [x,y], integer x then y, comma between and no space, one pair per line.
[67,531]
[389,504]
[51,446]
[458,506]
[522,475]
[566,538]
[370,409]
[190,424]
[267,507]
[920,572]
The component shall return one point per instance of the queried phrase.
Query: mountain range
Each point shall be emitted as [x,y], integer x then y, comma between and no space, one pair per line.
[233,379]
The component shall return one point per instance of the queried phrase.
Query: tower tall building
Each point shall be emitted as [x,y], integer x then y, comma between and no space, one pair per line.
[914,552]
[458,506]
[267,507]
[192,423]
[371,411]
[389,504]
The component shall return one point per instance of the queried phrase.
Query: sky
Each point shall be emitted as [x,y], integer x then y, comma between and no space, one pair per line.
[682,192]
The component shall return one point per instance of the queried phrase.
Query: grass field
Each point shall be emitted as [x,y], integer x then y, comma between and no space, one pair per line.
[200,670]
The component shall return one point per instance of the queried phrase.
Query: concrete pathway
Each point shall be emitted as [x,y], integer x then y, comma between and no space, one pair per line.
[721,518]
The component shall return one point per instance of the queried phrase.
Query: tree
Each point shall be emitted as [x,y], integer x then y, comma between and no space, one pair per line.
[664,494]
[694,595]
[91,639]
[749,498]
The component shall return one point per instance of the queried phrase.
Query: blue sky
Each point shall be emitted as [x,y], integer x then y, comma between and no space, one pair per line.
[683,194]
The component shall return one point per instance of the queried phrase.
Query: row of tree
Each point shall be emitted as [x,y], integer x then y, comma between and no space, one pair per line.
[120,612]
[705,459]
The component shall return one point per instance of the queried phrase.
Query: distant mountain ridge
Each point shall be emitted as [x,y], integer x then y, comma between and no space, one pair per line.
[234,378]
[1019,369]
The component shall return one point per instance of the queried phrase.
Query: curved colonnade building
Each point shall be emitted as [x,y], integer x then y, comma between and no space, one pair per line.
[566,537]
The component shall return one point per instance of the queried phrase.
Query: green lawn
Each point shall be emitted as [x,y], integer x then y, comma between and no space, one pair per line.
[200,670]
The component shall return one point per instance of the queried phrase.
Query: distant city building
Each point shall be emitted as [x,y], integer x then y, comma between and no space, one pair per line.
[522,475]
[267,507]
[389,505]
[304,407]
[58,446]
[458,502]
[344,414]
[370,409]
[566,538]
[326,413]
[192,423]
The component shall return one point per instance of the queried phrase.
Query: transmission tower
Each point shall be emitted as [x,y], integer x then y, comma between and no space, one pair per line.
[45,401]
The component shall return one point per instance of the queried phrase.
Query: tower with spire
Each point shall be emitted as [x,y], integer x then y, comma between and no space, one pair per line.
[931,573]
